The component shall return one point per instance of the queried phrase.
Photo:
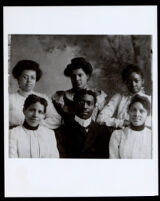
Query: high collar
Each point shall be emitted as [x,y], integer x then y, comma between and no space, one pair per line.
[27,126]
[83,122]
[24,93]
[137,128]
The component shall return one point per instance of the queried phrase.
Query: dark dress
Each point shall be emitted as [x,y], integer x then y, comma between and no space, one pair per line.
[74,141]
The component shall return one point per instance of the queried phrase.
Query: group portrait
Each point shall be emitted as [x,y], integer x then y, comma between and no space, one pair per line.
[80,96]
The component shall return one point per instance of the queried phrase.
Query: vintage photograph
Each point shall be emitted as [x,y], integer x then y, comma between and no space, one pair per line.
[80,96]
[80,101]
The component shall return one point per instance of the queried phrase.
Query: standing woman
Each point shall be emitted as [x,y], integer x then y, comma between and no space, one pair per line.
[27,73]
[115,113]
[79,71]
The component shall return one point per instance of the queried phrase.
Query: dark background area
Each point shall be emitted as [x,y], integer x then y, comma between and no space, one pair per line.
[108,54]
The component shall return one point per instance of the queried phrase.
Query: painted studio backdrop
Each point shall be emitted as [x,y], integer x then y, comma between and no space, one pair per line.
[108,54]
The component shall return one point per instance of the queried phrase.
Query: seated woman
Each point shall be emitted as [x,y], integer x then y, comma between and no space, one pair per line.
[31,140]
[27,73]
[115,113]
[79,71]
[135,141]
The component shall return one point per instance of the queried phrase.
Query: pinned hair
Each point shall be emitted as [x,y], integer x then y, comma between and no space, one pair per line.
[32,99]
[26,65]
[76,63]
[143,100]
[131,68]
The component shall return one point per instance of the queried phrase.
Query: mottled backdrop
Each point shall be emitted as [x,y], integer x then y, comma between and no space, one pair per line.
[108,55]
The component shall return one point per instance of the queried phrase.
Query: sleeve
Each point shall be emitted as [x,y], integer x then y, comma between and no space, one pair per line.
[101,100]
[13,118]
[114,144]
[54,149]
[52,119]
[13,148]
[58,101]
[106,115]
[148,122]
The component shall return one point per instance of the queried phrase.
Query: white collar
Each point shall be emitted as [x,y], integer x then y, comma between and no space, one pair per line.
[83,122]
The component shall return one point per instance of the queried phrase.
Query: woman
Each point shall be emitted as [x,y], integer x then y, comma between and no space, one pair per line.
[31,140]
[79,71]
[115,113]
[133,142]
[27,73]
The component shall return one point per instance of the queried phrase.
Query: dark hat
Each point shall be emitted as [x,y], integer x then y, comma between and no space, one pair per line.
[76,63]
[26,65]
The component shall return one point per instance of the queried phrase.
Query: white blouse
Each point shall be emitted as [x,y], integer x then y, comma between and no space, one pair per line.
[16,116]
[116,111]
[40,143]
[130,144]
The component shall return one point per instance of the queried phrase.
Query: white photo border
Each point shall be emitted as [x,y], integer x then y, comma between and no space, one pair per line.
[81,177]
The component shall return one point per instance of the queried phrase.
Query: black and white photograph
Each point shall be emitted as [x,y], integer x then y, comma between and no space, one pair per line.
[79,100]
[98,102]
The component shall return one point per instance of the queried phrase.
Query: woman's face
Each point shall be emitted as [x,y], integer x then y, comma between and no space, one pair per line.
[137,114]
[134,83]
[79,78]
[27,80]
[34,114]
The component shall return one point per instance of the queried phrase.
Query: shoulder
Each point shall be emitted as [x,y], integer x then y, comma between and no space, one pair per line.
[45,130]
[16,131]
[13,95]
[68,124]
[117,96]
[148,131]
[122,131]
[118,134]
[58,95]
[115,99]
[99,92]
[100,128]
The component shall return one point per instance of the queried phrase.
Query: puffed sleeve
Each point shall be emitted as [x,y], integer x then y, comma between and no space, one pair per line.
[52,119]
[106,115]
[13,148]
[101,99]
[58,101]
[114,144]
[54,150]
